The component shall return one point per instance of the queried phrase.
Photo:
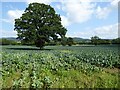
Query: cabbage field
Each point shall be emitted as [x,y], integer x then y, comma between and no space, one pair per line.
[60,67]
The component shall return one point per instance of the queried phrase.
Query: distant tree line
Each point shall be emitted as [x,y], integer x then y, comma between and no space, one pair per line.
[64,41]
[4,41]
[98,41]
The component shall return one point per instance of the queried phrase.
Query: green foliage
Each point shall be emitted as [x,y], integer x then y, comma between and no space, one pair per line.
[116,41]
[60,67]
[105,41]
[38,24]
[4,41]
[95,40]
[64,41]
[67,41]
[70,41]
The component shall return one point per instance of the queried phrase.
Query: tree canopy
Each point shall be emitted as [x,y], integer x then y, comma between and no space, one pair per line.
[38,24]
[95,40]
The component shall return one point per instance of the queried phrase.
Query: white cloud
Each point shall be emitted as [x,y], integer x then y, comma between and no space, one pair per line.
[102,13]
[5,33]
[105,32]
[12,15]
[58,6]
[39,1]
[81,34]
[64,21]
[110,31]
[78,12]
[115,2]
[59,0]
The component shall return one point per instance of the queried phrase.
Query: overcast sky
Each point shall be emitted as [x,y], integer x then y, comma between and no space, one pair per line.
[82,19]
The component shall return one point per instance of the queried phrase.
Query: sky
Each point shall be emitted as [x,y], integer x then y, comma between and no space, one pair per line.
[81,18]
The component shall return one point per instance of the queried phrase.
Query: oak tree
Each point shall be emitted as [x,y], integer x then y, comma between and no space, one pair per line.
[39,23]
